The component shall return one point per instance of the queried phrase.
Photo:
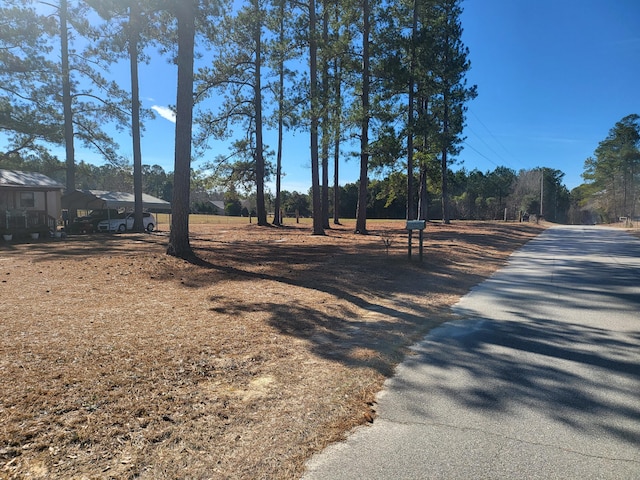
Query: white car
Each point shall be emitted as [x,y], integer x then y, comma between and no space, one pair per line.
[125,222]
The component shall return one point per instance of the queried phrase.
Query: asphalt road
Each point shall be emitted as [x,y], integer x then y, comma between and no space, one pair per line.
[538,379]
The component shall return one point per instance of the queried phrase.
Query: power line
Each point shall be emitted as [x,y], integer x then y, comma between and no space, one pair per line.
[479,153]
[494,138]
[489,147]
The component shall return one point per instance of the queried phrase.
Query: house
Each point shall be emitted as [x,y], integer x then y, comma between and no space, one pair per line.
[217,207]
[29,201]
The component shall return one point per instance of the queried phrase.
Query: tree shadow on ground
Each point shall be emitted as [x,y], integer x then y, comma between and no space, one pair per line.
[84,245]
[540,364]
[364,324]
[374,306]
[517,352]
[377,297]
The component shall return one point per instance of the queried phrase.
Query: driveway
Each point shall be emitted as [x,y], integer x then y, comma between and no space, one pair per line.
[539,378]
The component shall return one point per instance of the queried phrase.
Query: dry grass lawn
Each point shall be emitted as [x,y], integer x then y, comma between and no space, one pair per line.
[118,361]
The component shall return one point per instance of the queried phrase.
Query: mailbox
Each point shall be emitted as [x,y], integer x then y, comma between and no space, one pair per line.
[419,225]
[416,224]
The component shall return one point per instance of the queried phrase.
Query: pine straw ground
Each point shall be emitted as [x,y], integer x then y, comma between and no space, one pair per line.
[117,361]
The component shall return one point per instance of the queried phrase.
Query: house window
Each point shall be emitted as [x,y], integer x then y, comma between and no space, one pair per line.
[27,200]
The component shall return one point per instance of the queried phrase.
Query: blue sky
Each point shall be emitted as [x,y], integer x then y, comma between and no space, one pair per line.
[553,77]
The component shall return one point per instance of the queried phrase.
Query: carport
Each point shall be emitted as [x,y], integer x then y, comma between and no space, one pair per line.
[100,199]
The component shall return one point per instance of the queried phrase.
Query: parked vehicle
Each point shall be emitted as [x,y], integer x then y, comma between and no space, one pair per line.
[89,223]
[125,222]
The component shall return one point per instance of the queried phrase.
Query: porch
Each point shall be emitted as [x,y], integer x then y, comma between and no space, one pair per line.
[18,221]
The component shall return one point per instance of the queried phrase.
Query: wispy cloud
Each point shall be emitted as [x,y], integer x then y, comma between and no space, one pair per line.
[165,113]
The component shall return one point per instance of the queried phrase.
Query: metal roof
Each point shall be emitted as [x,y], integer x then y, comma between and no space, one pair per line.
[31,180]
[94,199]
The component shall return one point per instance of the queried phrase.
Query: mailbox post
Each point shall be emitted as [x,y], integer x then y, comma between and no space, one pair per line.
[419,225]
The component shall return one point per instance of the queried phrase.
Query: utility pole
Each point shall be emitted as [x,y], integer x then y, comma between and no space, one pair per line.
[541,189]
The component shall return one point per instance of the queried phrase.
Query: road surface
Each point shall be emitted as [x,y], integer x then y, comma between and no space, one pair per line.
[538,379]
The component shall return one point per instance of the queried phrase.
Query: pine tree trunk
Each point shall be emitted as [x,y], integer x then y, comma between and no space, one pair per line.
[325,117]
[422,196]
[277,217]
[444,165]
[445,189]
[313,91]
[361,213]
[337,132]
[260,207]
[66,101]
[336,184]
[179,245]
[411,213]
[138,225]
